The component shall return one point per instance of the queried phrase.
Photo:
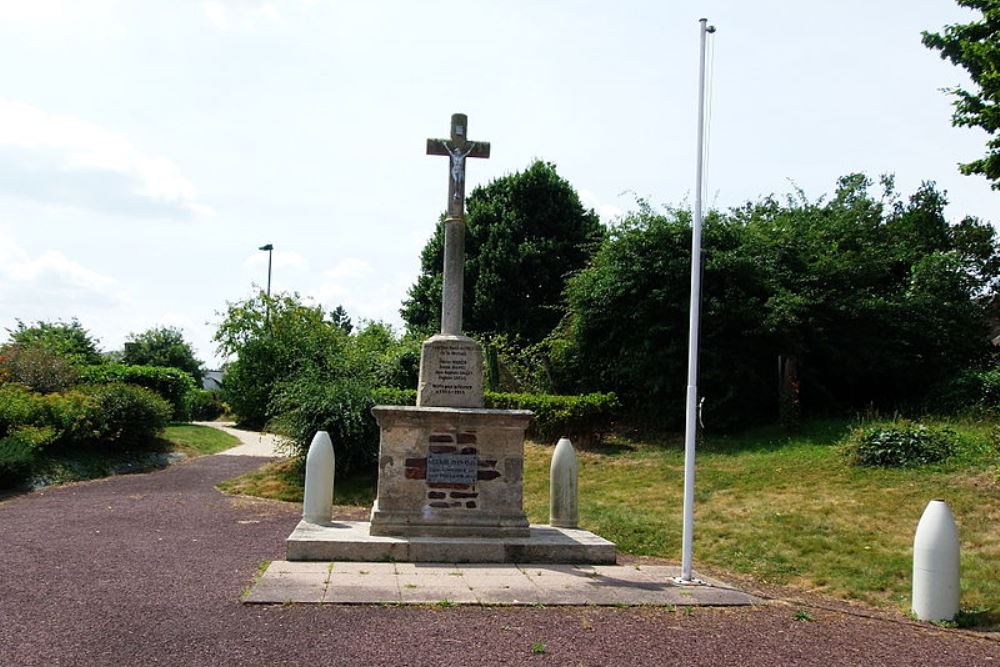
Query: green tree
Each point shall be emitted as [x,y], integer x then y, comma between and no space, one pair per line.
[526,233]
[340,317]
[875,299]
[273,340]
[975,46]
[162,346]
[68,339]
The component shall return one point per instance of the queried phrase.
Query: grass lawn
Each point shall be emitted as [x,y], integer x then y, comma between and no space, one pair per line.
[788,510]
[195,440]
[60,466]
[783,509]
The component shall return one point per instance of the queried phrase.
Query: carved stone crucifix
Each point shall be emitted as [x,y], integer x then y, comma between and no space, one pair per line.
[457,149]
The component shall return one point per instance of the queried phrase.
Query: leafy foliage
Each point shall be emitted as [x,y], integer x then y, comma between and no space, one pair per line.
[875,299]
[312,403]
[126,414]
[273,340]
[975,46]
[89,416]
[68,339]
[205,405]
[37,367]
[584,419]
[162,346]
[526,233]
[899,444]
[172,384]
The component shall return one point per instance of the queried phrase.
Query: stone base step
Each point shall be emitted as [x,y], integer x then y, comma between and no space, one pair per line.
[352,541]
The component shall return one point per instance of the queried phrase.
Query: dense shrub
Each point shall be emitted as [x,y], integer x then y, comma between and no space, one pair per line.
[37,367]
[341,408]
[172,384]
[871,298]
[206,405]
[584,419]
[898,444]
[125,413]
[974,390]
[18,449]
[163,347]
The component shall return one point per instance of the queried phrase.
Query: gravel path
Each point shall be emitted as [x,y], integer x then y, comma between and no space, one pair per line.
[253,443]
[147,570]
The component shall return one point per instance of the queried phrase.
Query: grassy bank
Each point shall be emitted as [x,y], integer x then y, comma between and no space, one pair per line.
[788,510]
[178,441]
[782,509]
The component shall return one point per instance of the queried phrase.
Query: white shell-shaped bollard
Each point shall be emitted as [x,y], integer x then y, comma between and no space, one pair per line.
[317,501]
[563,507]
[936,590]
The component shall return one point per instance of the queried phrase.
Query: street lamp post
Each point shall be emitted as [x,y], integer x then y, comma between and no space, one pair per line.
[269,248]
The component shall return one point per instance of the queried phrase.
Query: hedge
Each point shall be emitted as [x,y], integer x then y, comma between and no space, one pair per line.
[107,415]
[584,419]
[172,384]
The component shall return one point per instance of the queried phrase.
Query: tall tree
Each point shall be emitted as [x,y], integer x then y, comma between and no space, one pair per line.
[526,233]
[975,46]
[68,339]
[874,299]
[162,346]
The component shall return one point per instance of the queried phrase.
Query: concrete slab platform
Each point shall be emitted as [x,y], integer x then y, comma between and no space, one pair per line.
[353,541]
[486,584]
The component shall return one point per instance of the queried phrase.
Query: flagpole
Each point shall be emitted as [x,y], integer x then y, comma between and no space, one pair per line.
[691,412]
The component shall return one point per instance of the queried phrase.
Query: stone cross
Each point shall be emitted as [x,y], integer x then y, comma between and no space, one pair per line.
[457,148]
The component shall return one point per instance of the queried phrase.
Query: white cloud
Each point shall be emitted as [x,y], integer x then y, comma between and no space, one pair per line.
[281,259]
[47,11]
[608,212]
[365,292]
[51,281]
[64,160]
[349,268]
[240,14]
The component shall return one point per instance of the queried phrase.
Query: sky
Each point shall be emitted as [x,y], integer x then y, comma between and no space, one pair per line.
[148,149]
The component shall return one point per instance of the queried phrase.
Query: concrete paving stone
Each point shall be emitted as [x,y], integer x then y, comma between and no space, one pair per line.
[513,595]
[430,590]
[427,569]
[485,570]
[546,569]
[279,591]
[288,567]
[362,589]
[355,568]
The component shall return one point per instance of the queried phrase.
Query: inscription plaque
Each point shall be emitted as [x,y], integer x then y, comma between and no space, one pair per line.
[452,468]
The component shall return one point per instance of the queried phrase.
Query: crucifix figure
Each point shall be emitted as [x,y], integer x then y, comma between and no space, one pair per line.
[457,148]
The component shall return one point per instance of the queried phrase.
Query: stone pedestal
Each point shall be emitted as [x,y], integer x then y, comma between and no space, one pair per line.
[451,372]
[450,472]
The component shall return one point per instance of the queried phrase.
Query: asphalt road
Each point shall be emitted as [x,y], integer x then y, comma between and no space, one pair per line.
[148,569]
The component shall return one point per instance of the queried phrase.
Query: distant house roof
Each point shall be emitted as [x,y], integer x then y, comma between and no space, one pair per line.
[212,380]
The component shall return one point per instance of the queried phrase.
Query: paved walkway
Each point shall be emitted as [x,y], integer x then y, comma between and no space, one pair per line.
[148,569]
[254,443]
[486,584]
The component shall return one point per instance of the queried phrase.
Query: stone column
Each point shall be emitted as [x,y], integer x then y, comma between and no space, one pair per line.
[454,277]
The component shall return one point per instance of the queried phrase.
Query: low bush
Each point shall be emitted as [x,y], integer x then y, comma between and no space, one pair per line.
[172,384]
[205,405]
[342,408]
[975,390]
[899,443]
[584,419]
[18,450]
[38,368]
[127,414]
